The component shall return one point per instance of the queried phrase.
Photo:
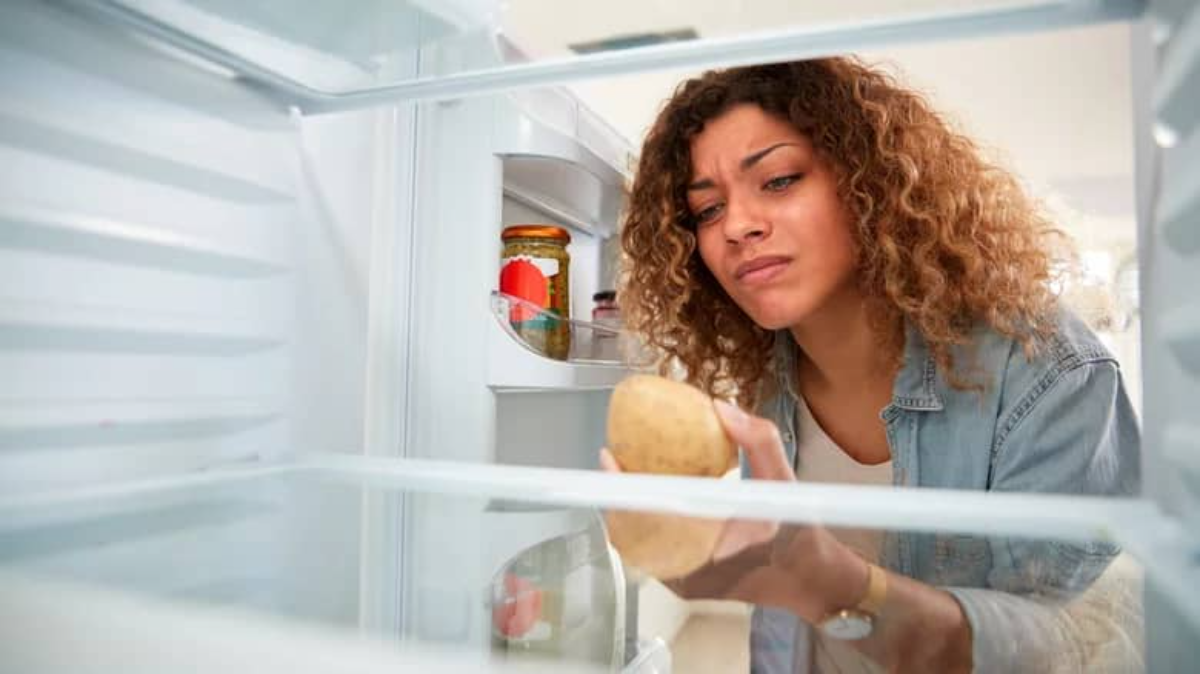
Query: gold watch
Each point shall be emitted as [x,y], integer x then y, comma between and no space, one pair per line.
[856,622]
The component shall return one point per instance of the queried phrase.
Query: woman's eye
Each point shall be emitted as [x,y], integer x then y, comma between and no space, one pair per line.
[780,183]
[706,214]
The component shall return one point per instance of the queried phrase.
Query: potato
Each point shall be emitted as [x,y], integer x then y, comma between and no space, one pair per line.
[659,426]
[656,425]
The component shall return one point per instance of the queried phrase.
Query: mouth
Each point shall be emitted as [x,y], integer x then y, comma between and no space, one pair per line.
[761,269]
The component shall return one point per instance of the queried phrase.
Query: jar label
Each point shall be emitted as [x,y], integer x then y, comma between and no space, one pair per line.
[529,278]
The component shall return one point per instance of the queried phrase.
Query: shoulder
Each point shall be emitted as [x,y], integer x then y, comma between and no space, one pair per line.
[1012,375]
[1071,346]
[1071,363]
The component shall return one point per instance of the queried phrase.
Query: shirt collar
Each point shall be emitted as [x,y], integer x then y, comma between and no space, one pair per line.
[916,384]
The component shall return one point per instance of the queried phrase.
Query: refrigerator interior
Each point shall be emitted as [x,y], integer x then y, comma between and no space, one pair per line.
[184,290]
[217,260]
[227,283]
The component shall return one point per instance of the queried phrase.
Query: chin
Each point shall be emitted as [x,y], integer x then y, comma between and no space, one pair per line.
[781,313]
[773,320]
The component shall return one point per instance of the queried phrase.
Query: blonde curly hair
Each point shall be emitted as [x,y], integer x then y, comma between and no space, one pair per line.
[945,240]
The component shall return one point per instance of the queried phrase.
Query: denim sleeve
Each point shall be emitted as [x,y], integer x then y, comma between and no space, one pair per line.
[1074,432]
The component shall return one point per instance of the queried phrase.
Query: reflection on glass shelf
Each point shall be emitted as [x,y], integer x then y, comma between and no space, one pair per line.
[480,576]
[1030,604]
[480,569]
[562,594]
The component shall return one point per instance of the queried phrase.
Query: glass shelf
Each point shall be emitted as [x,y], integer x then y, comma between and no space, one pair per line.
[507,562]
[327,47]
[329,56]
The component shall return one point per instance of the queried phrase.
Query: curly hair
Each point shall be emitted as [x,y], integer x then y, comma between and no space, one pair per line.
[945,240]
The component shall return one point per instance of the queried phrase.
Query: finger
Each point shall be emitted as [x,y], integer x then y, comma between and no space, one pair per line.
[759,440]
[608,462]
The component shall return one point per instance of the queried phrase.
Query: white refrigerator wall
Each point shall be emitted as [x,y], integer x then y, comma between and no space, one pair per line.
[183,287]
[191,278]
[148,265]
[183,280]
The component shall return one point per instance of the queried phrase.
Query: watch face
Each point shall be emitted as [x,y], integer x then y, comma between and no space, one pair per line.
[847,625]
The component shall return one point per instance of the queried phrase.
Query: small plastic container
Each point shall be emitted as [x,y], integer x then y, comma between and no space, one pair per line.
[606,313]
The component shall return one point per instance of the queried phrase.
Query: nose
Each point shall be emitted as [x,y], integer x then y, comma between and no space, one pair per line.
[745,222]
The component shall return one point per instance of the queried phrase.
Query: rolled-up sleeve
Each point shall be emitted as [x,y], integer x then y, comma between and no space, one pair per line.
[1073,432]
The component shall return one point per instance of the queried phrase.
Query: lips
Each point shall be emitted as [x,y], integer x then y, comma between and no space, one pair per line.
[761,268]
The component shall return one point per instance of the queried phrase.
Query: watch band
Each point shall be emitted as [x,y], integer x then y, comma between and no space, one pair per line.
[876,595]
[858,622]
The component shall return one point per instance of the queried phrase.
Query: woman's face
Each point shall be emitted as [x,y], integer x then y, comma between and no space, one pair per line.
[769,223]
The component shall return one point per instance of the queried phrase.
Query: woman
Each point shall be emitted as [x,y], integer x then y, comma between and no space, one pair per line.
[812,241]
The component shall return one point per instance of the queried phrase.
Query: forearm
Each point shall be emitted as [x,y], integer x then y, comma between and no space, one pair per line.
[920,629]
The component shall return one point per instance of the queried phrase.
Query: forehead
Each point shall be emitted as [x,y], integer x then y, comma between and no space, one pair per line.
[737,133]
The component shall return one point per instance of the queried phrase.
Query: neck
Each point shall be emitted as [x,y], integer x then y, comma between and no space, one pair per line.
[839,348]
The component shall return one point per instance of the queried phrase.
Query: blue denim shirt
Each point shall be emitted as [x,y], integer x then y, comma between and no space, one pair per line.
[1059,423]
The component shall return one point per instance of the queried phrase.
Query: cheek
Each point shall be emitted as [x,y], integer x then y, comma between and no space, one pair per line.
[709,247]
[841,241]
[832,236]
[848,244]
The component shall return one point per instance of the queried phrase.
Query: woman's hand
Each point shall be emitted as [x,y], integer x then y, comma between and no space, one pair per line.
[806,570]
[800,568]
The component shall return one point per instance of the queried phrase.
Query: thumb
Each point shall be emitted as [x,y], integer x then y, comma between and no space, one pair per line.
[608,462]
[759,440]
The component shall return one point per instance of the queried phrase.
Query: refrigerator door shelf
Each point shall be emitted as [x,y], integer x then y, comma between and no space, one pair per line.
[516,365]
[560,159]
[552,122]
[566,192]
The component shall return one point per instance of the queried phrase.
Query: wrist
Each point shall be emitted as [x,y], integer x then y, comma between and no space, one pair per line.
[849,584]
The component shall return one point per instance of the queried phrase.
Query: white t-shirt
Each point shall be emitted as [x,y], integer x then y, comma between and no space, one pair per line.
[821,460]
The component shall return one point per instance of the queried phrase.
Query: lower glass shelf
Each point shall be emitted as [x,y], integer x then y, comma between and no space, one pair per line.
[514,565]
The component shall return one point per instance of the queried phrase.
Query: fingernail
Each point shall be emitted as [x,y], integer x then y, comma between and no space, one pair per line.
[730,414]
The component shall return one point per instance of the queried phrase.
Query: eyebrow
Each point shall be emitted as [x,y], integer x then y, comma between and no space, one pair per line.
[747,162]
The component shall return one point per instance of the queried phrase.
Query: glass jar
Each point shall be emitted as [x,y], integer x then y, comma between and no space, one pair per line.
[534,266]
